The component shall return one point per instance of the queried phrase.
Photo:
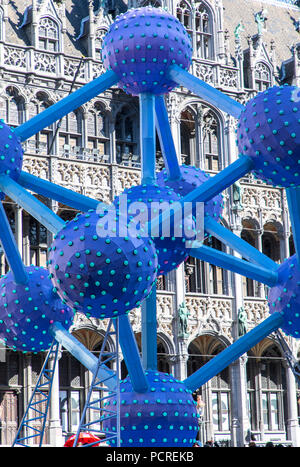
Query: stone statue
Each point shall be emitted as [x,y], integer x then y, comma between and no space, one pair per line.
[260,19]
[239,28]
[183,315]
[237,195]
[242,321]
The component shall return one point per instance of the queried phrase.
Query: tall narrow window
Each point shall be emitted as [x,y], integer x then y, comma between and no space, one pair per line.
[48,34]
[41,142]
[71,394]
[195,277]
[211,142]
[200,21]
[249,285]
[38,243]
[97,128]
[71,134]
[15,107]
[126,136]
[266,382]
[203,26]
[263,77]
[188,137]
[100,33]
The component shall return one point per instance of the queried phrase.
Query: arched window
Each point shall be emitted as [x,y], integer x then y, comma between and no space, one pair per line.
[100,33]
[98,135]
[38,243]
[200,21]
[71,134]
[211,140]
[41,142]
[162,358]
[184,14]
[266,387]
[71,392]
[127,134]
[12,107]
[201,137]
[262,76]
[200,351]
[204,36]
[11,380]
[271,242]
[188,137]
[48,34]
[202,277]
[249,235]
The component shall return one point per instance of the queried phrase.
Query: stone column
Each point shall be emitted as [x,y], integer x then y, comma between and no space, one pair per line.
[239,415]
[293,429]
[55,430]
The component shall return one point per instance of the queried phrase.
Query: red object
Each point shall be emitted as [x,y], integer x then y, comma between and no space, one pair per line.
[84,438]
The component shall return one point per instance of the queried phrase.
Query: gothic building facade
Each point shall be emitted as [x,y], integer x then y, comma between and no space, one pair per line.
[50,48]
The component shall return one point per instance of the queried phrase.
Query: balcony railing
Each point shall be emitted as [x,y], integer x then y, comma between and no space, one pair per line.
[58,65]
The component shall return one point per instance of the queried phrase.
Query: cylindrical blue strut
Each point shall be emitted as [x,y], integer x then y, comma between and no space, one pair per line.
[166,139]
[148,151]
[57,192]
[33,206]
[82,354]
[12,253]
[233,352]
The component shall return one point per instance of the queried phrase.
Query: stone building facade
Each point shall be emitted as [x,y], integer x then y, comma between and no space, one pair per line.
[49,48]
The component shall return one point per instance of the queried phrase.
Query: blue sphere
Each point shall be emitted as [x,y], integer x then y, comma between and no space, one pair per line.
[27,311]
[269,133]
[191,178]
[11,153]
[141,45]
[171,241]
[165,416]
[99,270]
[284,297]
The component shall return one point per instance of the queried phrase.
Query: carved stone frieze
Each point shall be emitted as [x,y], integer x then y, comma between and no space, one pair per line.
[266,200]
[209,314]
[256,310]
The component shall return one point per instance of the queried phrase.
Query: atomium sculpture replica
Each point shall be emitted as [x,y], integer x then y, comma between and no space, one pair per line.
[147,53]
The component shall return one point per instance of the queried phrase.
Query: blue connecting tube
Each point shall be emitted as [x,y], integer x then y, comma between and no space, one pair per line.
[166,139]
[233,352]
[205,91]
[149,332]
[238,244]
[56,192]
[11,250]
[82,354]
[32,205]
[293,198]
[147,137]
[131,355]
[234,264]
[68,104]
[212,187]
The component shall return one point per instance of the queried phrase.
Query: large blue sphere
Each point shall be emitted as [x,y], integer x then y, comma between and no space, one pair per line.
[191,178]
[98,270]
[285,296]
[11,153]
[27,311]
[146,202]
[269,133]
[165,416]
[141,45]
